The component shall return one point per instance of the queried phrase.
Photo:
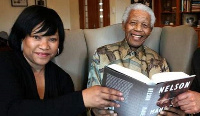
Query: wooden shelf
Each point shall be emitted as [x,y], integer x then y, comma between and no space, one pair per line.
[176,12]
[167,12]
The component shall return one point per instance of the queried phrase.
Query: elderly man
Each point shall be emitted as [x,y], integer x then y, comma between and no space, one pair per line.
[138,21]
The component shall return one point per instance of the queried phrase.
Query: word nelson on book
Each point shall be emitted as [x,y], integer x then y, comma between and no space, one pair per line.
[144,96]
[174,87]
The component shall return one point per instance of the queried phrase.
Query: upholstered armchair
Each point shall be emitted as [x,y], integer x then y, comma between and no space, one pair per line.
[176,44]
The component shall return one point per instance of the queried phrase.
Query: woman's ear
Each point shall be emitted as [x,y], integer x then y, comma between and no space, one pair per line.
[22,46]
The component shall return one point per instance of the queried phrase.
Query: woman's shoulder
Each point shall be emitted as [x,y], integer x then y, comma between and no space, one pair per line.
[8,60]
[63,77]
[197,52]
[58,69]
[6,53]
[6,56]
[196,56]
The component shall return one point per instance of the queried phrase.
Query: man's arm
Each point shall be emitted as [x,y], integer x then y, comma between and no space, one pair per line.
[94,77]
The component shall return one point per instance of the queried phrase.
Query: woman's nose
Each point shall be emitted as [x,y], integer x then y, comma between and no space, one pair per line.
[44,44]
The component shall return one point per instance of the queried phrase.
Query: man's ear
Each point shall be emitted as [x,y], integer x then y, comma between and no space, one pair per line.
[123,25]
[151,29]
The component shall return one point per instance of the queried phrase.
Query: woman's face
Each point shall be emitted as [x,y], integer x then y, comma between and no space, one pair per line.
[38,49]
[136,0]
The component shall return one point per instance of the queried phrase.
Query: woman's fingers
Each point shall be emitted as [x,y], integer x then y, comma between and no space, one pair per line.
[98,96]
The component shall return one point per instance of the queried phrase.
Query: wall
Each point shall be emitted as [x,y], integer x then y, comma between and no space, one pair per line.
[112,12]
[74,14]
[62,8]
[117,8]
[67,9]
[8,14]
[120,7]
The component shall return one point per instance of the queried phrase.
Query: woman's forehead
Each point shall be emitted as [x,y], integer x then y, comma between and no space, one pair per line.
[37,28]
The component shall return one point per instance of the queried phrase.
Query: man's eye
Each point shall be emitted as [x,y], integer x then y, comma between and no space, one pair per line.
[132,23]
[145,25]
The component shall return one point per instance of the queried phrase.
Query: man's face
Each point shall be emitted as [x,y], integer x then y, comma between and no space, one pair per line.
[137,28]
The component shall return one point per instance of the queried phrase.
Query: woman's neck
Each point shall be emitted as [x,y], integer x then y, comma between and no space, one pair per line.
[38,71]
[36,68]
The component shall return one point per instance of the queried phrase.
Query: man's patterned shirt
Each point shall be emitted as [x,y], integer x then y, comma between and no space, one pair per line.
[143,60]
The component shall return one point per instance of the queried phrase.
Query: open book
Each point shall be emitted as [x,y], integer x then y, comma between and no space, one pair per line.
[144,96]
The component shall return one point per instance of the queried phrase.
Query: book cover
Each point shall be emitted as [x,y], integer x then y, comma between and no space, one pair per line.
[143,98]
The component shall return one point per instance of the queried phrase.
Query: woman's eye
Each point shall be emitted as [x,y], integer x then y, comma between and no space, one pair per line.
[53,39]
[36,37]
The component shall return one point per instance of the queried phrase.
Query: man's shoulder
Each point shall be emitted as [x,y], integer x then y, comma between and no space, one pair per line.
[108,47]
[151,52]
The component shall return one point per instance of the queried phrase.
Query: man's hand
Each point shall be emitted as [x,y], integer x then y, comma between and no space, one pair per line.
[171,111]
[99,97]
[189,102]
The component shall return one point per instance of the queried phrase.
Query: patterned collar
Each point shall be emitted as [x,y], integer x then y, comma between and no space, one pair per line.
[126,51]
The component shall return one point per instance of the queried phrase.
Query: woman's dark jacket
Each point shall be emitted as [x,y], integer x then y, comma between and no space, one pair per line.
[18,90]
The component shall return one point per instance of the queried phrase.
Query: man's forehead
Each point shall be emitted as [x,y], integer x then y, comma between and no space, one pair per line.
[139,15]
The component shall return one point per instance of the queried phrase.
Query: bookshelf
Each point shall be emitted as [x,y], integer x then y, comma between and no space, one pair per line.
[178,12]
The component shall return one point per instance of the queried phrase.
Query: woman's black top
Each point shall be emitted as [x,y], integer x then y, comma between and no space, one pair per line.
[18,90]
[196,70]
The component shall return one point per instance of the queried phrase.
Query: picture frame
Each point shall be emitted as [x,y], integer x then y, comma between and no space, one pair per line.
[41,3]
[146,2]
[19,3]
[189,19]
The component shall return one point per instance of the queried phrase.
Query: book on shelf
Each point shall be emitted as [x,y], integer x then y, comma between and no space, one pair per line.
[185,5]
[195,4]
[195,0]
[144,96]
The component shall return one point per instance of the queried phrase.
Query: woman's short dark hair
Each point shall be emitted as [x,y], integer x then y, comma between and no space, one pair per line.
[29,19]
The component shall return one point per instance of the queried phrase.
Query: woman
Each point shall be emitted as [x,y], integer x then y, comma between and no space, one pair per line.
[189,101]
[32,85]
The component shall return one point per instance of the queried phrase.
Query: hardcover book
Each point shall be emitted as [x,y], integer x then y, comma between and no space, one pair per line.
[144,96]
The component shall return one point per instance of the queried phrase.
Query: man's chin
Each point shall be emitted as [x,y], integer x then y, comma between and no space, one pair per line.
[134,46]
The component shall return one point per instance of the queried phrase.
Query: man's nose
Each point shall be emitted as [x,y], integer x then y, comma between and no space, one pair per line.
[138,27]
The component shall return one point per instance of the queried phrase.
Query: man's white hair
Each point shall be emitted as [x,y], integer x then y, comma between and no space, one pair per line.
[139,6]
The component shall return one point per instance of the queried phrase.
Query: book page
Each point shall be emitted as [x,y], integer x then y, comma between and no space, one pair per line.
[169,76]
[134,92]
[134,74]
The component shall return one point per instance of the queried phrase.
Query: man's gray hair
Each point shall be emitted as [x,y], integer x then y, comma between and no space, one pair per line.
[139,6]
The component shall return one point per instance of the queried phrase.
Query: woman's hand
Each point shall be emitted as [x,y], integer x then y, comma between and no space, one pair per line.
[189,102]
[100,97]
[103,112]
